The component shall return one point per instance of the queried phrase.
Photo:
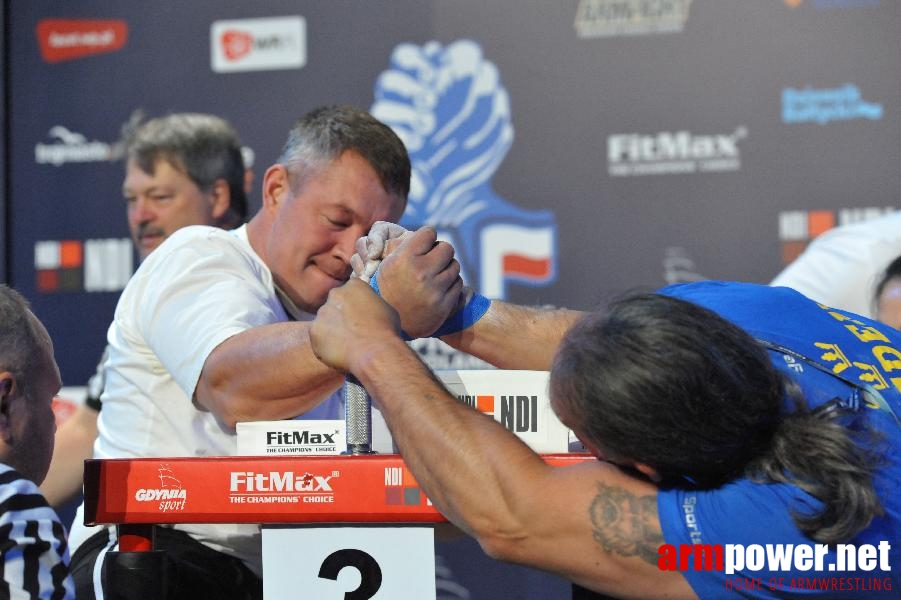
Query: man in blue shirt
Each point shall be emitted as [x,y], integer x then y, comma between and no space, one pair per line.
[733,420]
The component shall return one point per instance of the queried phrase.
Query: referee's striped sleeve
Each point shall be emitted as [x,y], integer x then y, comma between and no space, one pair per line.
[33,547]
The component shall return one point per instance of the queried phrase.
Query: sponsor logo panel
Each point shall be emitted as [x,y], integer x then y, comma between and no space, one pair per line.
[292,437]
[401,488]
[95,265]
[258,44]
[518,413]
[281,487]
[822,106]
[613,18]
[69,39]
[66,146]
[798,227]
[673,152]
[167,493]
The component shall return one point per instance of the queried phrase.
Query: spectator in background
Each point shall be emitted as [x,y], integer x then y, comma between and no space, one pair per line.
[180,169]
[32,539]
[841,267]
[887,297]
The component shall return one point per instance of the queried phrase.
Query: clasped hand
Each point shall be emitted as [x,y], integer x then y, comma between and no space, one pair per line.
[415,273]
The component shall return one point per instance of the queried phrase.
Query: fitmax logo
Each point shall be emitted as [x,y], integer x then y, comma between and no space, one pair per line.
[283,438]
[673,152]
[274,481]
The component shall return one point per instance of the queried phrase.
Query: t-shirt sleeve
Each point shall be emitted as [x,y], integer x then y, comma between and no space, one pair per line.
[740,513]
[198,294]
[841,269]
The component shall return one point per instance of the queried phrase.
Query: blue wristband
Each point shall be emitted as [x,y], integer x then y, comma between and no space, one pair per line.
[466,317]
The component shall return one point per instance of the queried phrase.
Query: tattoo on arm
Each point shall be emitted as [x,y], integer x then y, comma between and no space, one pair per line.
[626,524]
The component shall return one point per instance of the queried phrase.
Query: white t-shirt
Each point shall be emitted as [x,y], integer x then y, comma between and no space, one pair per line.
[200,287]
[841,267]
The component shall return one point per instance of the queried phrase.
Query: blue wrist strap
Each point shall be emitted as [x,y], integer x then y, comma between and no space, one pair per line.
[464,318]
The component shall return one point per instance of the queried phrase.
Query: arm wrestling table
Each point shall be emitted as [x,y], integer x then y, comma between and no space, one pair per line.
[362,491]
[360,509]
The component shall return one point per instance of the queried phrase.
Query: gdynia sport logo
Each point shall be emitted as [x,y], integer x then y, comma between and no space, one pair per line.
[807,566]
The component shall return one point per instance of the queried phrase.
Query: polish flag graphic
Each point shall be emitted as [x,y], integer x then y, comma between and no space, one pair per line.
[518,253]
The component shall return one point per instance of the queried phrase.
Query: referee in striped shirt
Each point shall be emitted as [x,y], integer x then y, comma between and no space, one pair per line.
[32,539]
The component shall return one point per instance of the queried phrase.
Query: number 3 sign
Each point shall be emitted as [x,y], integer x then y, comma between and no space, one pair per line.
[330,562]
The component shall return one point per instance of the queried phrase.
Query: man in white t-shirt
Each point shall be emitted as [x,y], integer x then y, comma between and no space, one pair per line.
[213,328]
[842,267]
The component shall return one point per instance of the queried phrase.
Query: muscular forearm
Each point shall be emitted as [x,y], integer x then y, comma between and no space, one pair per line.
[493,487]
[264,373]
[516,337]
[461,457]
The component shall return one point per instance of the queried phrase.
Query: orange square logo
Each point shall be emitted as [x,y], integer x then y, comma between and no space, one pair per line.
[409,480]
[70,254]
[819,221]
[485,404]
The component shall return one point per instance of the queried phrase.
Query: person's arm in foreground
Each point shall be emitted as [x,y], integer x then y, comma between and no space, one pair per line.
[591,523]
[74,444]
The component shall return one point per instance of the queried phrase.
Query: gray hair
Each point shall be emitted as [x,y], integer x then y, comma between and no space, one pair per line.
[325,133]
[205,146]
[20,341]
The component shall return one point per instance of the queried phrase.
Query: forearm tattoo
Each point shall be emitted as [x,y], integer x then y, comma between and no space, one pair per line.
[626,524]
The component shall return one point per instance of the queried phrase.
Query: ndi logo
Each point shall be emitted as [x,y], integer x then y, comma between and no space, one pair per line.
[518,413]
[667,152]
[821,106]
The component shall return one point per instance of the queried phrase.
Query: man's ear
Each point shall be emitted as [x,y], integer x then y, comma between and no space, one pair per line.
[7,385]
[275,185]
[221,197]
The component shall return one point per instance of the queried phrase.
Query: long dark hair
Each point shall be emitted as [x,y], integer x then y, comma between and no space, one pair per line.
[670,384]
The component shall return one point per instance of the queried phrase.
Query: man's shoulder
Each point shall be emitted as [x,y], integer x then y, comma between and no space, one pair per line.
[193,241]
[192,234]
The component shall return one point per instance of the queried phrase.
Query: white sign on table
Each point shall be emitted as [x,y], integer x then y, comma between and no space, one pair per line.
[335,562]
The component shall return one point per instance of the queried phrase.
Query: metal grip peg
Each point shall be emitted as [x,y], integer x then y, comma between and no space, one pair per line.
[357,417]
